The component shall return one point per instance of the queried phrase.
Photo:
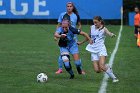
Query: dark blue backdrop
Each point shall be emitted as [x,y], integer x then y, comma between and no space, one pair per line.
[50,9]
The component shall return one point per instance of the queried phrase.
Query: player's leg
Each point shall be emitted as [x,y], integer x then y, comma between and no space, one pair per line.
[95,60]
[66,60]
[138,37]
[77,62]
[96,66]
[75,52]
[67,65]
[60,65]
[107,68]
[136,32]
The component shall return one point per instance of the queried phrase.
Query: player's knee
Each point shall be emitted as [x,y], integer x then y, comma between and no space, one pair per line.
[65,58]
[102,68]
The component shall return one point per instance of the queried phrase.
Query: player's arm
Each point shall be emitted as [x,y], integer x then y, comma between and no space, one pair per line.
[58,25]
[87,38]
[79,25]
[109,33]
[63,39]
[57,35]
[78,31]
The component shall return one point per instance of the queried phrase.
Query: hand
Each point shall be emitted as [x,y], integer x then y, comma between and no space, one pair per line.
[63,35]
[90,41]
[113,35]
[79,43]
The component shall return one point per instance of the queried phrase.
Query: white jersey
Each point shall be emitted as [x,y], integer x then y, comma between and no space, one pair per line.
[98,37]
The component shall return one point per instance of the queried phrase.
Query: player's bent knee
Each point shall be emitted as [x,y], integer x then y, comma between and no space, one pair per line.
[65,58]
[102,68]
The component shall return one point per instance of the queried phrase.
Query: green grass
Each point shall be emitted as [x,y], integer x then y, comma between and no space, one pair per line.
[27,50]
[127,64]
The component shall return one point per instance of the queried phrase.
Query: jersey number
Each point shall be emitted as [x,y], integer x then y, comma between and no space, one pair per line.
[94,40]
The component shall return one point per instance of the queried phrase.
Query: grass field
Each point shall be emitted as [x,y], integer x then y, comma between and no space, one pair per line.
[27,50]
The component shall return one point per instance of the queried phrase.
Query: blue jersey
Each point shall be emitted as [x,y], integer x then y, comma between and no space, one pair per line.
[70,35]
[73,18]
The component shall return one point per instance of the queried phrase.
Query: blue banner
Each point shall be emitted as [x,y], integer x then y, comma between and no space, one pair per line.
[51,9]
[131,18]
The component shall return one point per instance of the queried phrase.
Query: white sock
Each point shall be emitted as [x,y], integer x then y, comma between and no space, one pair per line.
[110,73]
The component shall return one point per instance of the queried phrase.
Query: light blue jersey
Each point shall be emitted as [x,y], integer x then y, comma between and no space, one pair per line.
[74,49]
[70,34]
[73,19]
[72,46]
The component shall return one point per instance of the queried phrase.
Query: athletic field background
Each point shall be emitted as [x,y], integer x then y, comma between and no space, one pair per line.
[27,50]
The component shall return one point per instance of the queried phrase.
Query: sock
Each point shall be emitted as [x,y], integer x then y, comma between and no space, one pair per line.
[68,68]
[78,66]
[60,62]
[110,73]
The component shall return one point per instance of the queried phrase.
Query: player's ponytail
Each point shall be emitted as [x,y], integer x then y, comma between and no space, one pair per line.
[102,22]
[76,12]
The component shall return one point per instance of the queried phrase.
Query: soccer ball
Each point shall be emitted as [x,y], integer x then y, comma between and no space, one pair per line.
[42,77]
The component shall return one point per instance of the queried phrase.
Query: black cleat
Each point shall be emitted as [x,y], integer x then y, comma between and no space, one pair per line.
[72,76]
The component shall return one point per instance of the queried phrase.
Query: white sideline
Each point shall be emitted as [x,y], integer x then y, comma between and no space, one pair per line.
[111,60]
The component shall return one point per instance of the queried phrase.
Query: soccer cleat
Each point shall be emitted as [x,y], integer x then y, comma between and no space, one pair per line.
[115,80]
[72,76]
[80,71]
[59,71]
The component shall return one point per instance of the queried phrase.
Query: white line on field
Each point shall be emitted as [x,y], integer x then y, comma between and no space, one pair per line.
[111,60]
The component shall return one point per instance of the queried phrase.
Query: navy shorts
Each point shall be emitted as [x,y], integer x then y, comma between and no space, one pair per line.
[136,29]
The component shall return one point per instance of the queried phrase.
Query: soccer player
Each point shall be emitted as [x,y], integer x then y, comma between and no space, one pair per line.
[73,16]
[98,49]
[68,45]
[137,21]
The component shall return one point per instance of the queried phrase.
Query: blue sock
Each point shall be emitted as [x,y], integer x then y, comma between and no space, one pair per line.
[78,66]
[60,62]
[68,68]
[78,63]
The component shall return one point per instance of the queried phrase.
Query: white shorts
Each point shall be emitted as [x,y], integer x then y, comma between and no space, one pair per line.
[96,56]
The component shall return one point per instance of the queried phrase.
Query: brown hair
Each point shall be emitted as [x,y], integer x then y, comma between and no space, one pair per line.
[74,8]
[99,18]
[75,11]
